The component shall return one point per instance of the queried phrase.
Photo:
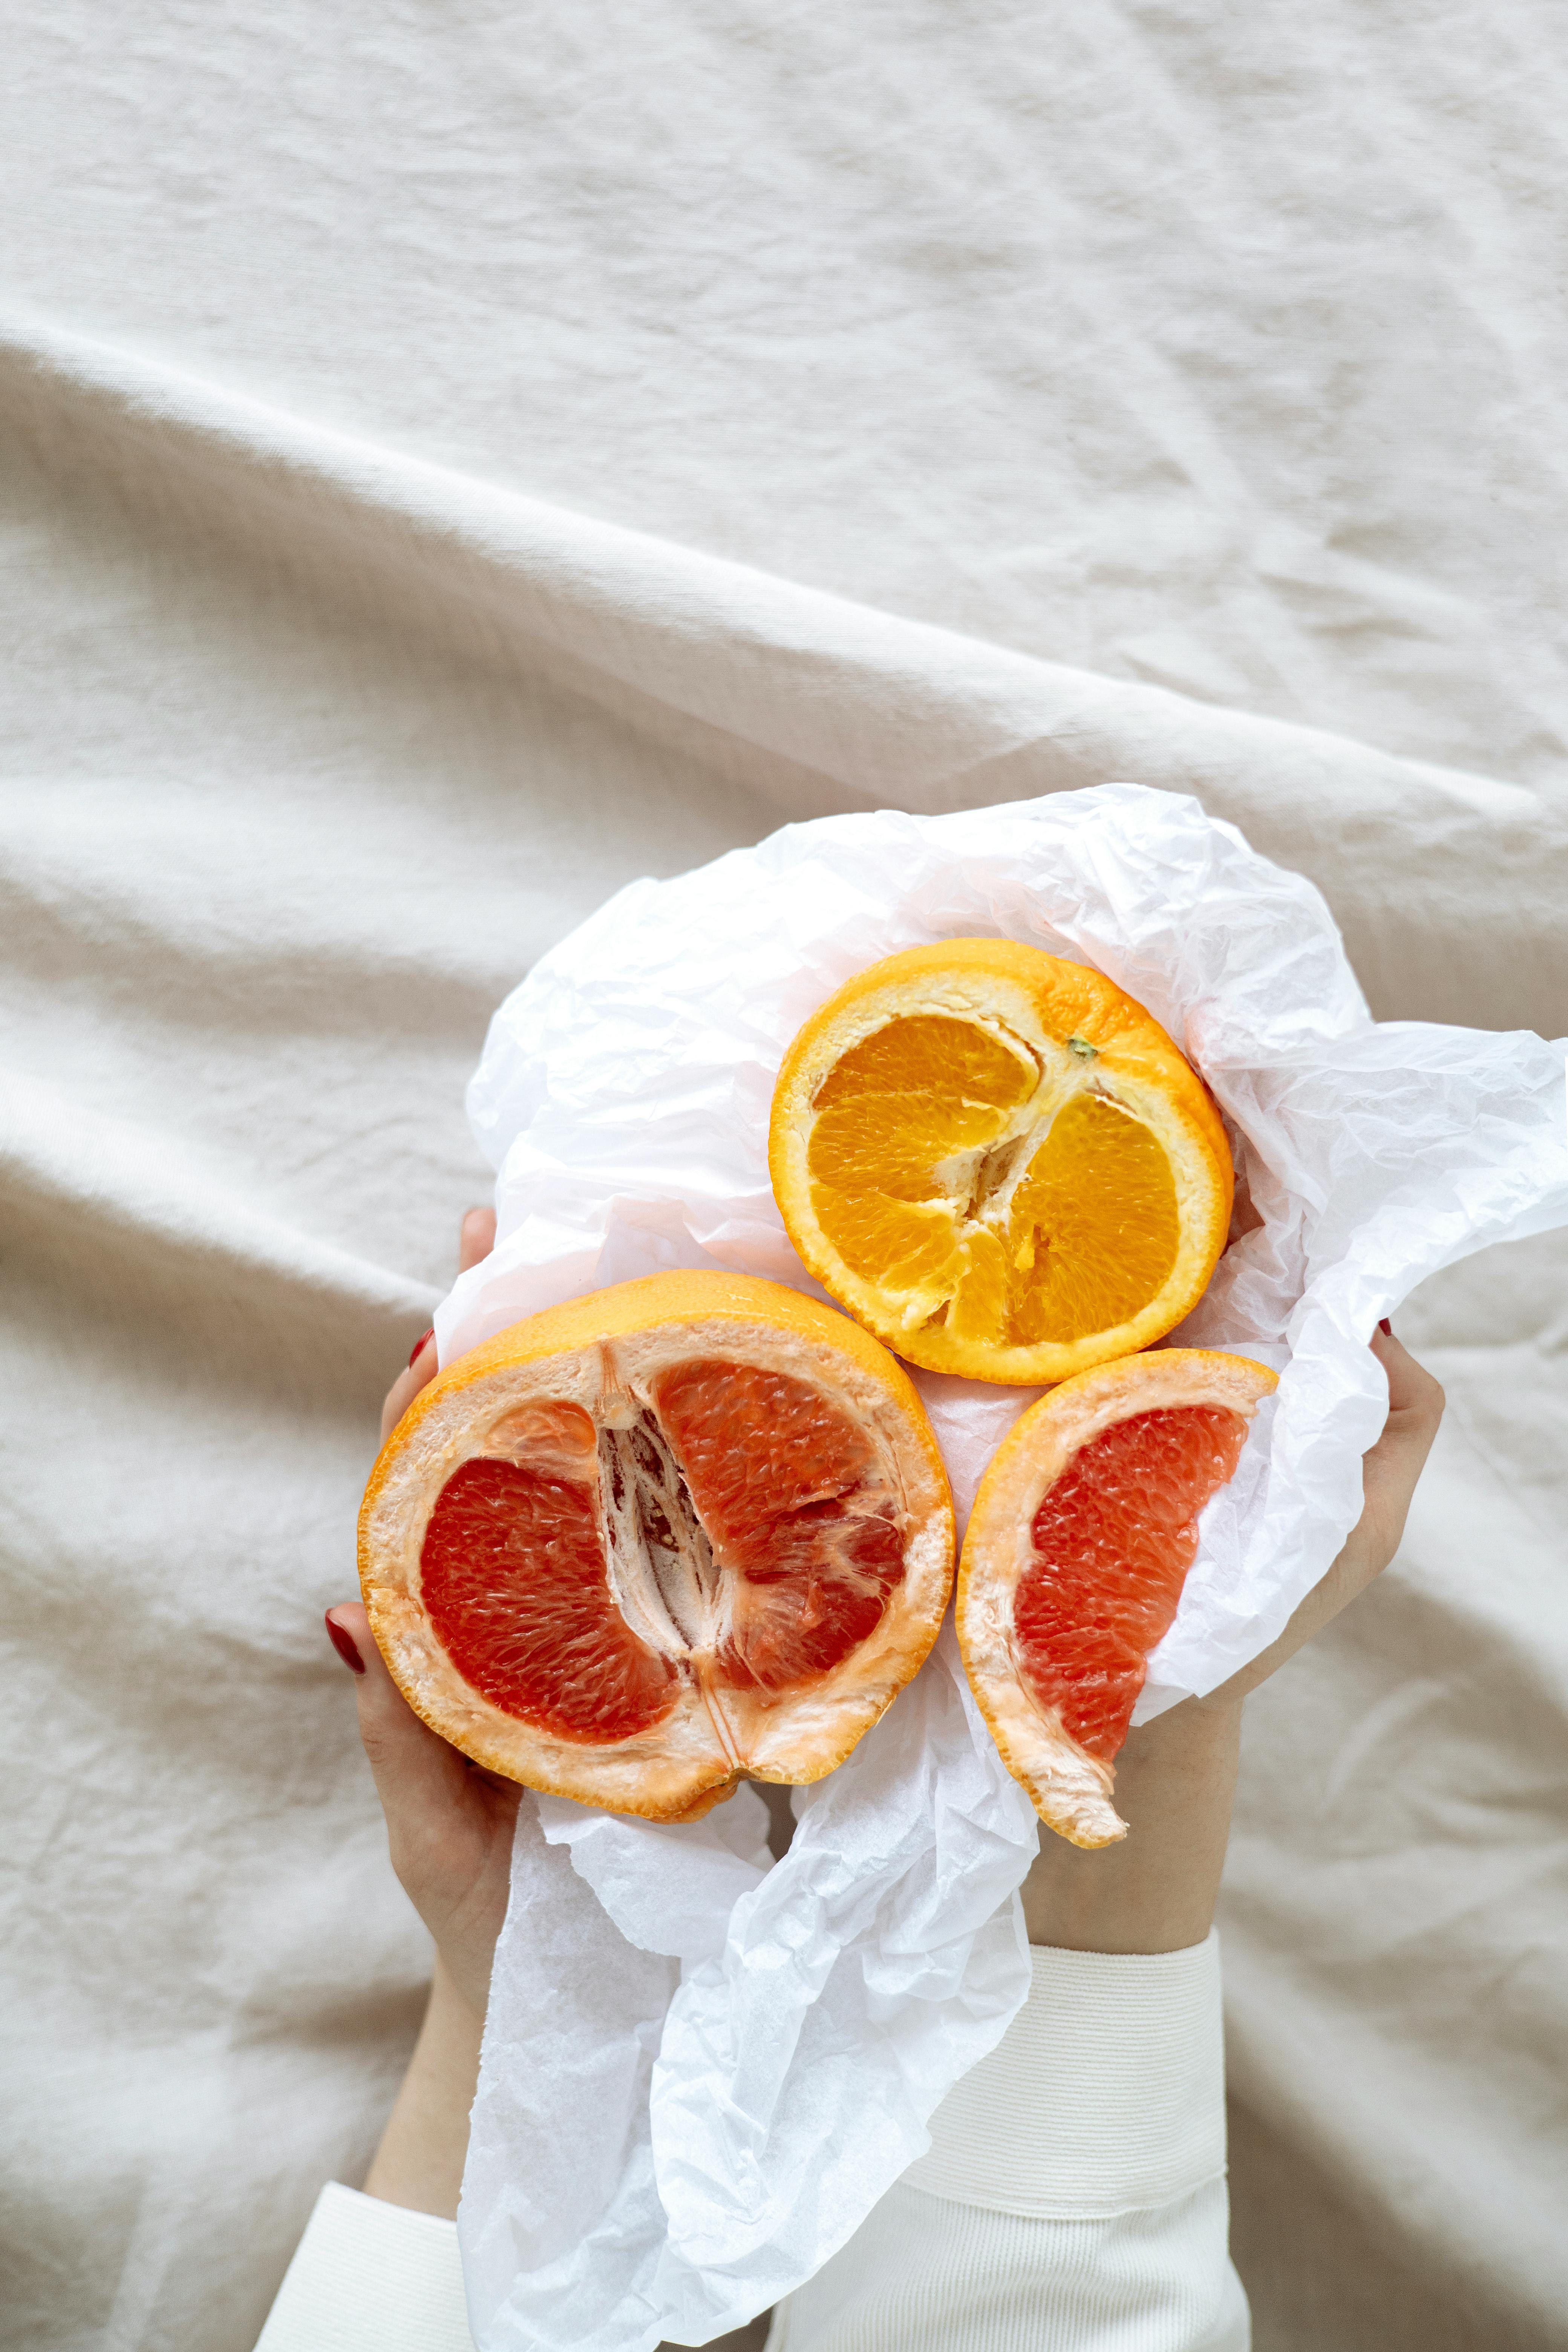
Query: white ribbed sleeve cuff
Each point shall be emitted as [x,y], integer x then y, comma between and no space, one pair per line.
[370,2277]
[1105,2096]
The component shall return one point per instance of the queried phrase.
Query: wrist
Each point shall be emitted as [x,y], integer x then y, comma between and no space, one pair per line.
[1155,1891]
[419,2162]
[462,1977]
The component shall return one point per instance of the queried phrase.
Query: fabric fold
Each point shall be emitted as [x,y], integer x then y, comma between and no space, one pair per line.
[66,1171]
[819,703]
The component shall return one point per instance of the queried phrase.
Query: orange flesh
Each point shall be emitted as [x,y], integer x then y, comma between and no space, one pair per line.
[753,1521]
[1068,1227]
[1113,1540]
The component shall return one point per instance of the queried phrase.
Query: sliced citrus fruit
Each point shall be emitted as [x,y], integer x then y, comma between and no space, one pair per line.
[1082,1536]
[998,1162]
[688,1529]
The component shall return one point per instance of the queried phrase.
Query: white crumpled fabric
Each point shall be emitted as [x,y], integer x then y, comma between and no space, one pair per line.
[699,2072]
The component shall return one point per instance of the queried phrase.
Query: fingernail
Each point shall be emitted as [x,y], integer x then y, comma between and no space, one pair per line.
[1385,1327]
[420,1346]
[345,1645]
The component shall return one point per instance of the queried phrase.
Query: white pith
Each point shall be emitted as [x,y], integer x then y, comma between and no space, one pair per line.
[1070,1790]
[674,1598]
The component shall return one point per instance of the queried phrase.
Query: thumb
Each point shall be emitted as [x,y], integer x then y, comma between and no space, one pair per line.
[1391,1468]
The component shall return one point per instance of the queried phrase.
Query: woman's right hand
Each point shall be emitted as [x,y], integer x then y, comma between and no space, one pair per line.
[449,1829]
[448,1823]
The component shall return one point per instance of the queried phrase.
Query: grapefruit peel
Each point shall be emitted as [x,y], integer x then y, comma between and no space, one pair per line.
[570,1399]
[1069,1787]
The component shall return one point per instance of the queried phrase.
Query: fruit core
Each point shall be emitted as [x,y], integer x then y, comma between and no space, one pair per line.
[1009,1197]
[732,1529]
[1111,1545]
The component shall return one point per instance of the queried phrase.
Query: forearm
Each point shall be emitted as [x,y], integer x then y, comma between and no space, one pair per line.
[1155,1891]
[420,2160]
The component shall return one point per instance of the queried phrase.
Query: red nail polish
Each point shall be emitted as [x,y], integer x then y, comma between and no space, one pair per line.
[345,1645]
[420,1346]
[1386,1327]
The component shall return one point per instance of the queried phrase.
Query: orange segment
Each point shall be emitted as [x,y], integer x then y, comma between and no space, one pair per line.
[1094,1226]
[691,1528]
[989,1273]
[910,1245]
[894,1143]
[934,1054]
[1025,1182]
[1082,1536]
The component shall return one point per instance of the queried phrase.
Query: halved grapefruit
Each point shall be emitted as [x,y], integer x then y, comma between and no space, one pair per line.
[1082,1536]
[999,1162]
[688,1529]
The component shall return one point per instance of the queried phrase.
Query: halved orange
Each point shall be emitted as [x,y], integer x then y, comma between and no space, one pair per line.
[1082,1536]
[999,1162]
[687,1530]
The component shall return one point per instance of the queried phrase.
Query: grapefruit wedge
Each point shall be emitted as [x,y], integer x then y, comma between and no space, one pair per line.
[687,1530]
[1082,1536]
[999,1162]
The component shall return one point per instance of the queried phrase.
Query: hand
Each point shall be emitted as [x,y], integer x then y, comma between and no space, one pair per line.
[1388,1474]
[1175,1778]
[449,1830]
[448,1825]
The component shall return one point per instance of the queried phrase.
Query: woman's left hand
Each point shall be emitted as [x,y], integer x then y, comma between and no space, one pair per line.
[1176,1777]
[1389,1472]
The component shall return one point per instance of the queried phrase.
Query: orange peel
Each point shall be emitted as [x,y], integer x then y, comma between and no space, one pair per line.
[999,1162]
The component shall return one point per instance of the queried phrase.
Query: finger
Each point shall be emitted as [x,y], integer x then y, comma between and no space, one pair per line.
[476,1238]
[1411,1387]
[407,1385]
[418,1778]
[1390,1468]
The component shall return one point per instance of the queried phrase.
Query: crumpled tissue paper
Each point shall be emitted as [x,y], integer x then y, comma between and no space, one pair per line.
[700,2071]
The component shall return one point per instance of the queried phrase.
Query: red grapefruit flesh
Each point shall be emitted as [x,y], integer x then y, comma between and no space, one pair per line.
[512,1573]
[688,1529]
[810,1531]
[1113,1542]
[1083,1532]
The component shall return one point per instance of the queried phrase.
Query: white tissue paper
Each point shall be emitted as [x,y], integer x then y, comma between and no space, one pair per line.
[700,2071]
